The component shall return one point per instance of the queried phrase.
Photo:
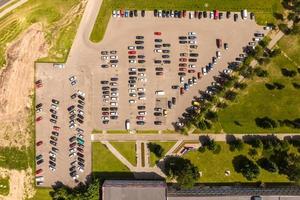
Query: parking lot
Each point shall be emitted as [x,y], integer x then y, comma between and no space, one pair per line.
[145,72]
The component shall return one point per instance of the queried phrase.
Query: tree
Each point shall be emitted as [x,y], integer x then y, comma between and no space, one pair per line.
[256,143]
[246,167]
[230,95]
[236,144]
[82,192]
[260,72]
[182,170]
[267,164]
[211,145]
[239,85]
[265,122]
[284,28]
[288,73]
[279,86]
[156,149]
[212,116]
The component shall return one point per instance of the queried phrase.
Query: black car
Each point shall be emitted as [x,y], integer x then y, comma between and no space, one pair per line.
[141,61]
[141,56]
[192,60]
[80,159]
[79,120]
[235,17]
[175,87]
[39,161]
[55,101]
[139,47]
[174,100]
[182,37]
[182,41]
[194,54]
[165,56]
[52,163]
[105,92]
[200,15]
[143,13]
[81,97]
[114,79]
[135,13]
[141,107]
[192,37]
[53,111]
[140,122]
[166,51]
[181,74]
[157,114]
[80,164]
[80,106]
[169,104]
[55,133]
[105,121]
[104,52]
[38,105]
[104,82]
[53,138]
[157,61]
[80,116]
[114,89]
[131,57]
[139,42]
[157,122]
[166,45]
[80,102]
[158,46]
[53,143]
[131,73]
[157,40]
[104,66]
[54,149]
[113,61]
[141,69]
[80,155]
[113,108]
[193,46]
[228,14]
[73,96]
[139,37]
[131,13]
[166,61]
[52,158]
[114,117]
[204,14]
[70,108]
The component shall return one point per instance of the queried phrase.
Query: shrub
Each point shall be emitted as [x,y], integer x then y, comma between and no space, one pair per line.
[296,85]
[279,86]
[156,149]
[246,167]
[236,144]
[269,86]
[265,122]
[260,72]
[239,85]
[230,95]
[267,165]
[288,73]
[212,116]
[202,149]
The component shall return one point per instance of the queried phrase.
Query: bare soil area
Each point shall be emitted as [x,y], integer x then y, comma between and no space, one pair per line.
[17,84]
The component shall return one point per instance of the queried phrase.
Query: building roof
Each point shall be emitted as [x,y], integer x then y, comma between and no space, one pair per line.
[134,190]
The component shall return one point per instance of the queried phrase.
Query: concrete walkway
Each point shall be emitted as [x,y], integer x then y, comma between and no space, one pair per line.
[175,137]
[138,154]
[174,147]
[12,7]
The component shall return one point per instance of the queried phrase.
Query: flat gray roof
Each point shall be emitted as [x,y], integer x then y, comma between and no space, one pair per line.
[134,190]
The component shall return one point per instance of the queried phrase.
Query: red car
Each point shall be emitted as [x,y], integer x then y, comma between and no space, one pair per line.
[38,171]
[39,143]
[159,73]
[39,118]
[199,75]
[131,52]
[140,117]
[182,69]
[57,128]
[181,91]
[191,71]
[219,43]
[105,113]
[182,65]
[38,84]
[182,59]
[157,33]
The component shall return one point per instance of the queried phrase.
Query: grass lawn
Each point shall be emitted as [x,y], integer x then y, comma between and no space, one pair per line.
[127,149]
[117,131]
[42,194]
[4,186]
[213,166]
[14,158]
[263,9]
[104,161]
[47,12]
[257,101]
[166,147]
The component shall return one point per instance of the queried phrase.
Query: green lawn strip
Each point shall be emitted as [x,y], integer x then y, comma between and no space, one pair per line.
[168,131]
[104,161]
[143,154]
[4,186]
[14,158]
[117,132]
[213,166]
[127,149]
[42,194]
[147,131]
[263,9]
[166,147]
[257,101]
[95,131]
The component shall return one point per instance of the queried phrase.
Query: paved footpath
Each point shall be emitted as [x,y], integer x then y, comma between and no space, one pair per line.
[12,7]
[175,137]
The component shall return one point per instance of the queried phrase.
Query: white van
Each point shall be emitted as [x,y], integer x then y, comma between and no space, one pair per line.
[127,124]
[39,178]
[244,14]
[160,92]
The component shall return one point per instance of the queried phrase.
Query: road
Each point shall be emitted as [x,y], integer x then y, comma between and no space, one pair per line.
[10,8]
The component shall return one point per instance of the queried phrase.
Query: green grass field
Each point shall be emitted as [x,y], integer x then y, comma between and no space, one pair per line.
[166,147]
[104,161]
[4,186]
[263,9]
[127,149]
[42,194]
[47,12]
[14,158]
[213,166]
[258,101]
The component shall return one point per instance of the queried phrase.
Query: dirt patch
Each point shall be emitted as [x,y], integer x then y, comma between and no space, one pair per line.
[17,84]
[19,183]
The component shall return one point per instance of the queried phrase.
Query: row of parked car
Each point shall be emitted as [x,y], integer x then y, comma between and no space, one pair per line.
[110,97]
[109,58]
[163,51]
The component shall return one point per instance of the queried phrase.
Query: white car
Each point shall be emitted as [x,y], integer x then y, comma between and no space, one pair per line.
[142,79]
[113,104]
[113,113]
[76,176]
[104,57]
[181,79]
[104,118]
[80,93]
[131,47]
[204,70]
[114,13]
[141,89]
[131,90]
[80,169]
[191,33]
[132,69]
[115,94]
[106,100]
[142,98]
[132,94]
[52,154]
[191,15]
[227,71]
[114,98]
[72,154]
[114,65]
[113,57]
[131,101]
[192,66]
[143,113]
[72,150]
[157,50]
[141,74]
[132,61]
[54,106]
[218,54]
[192,42]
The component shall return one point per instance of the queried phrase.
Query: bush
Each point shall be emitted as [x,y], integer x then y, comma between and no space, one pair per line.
[212,116]
[265,122]
[222,105]
[246,167]
[275,52]
[236,144]
[156,149]
[279,86]
[239,85]
[202,149]
[296,85]
[256,143]
[284,28]
[202,125]
[270,86]
[267,165]
[230,95]
[260,72]
[252,152]
[288,73]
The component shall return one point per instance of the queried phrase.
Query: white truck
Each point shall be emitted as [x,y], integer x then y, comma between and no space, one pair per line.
[244,14]
[127,124]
